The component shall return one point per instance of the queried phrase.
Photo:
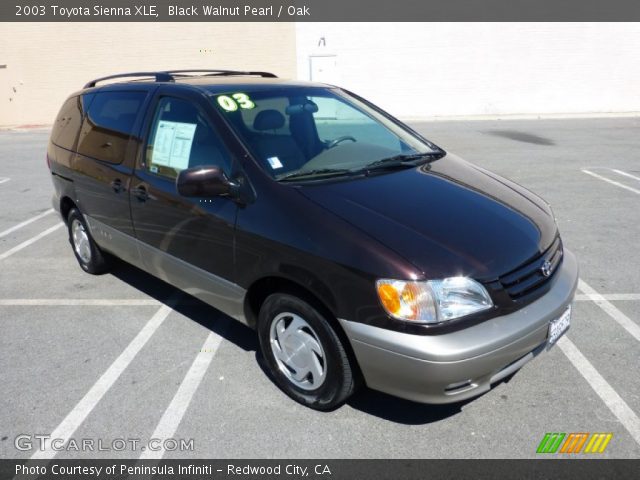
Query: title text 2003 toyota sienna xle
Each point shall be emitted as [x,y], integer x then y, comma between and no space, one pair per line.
[361,252]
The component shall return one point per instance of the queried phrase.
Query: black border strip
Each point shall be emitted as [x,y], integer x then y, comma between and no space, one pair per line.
[328,10]
[569,467]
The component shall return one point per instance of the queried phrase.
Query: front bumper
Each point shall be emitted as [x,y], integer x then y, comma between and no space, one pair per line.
[463,364]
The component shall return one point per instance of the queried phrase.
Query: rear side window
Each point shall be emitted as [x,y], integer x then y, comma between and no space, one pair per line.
[67,126]
[109,125]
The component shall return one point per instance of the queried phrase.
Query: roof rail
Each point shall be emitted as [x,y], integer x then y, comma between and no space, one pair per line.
[159,76]
[167,75]
[224,72]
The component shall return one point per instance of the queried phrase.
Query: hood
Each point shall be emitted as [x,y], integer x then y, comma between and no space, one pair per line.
[447,217]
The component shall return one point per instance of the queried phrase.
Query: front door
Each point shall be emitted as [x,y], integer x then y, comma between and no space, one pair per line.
[187,242]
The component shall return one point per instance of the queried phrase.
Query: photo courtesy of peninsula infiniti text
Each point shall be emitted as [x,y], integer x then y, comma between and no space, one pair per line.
[361,253]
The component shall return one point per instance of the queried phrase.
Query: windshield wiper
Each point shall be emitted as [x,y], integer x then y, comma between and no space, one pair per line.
[399,161]
[323,172]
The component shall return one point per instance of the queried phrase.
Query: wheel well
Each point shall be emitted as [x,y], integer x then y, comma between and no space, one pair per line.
[260,290]
[66,204]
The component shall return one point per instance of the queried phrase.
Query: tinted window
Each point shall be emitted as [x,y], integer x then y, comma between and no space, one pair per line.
[181,137]
[67,126]
[109,124]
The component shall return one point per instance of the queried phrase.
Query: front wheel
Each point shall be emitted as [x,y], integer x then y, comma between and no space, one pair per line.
[304,354]
[89,256]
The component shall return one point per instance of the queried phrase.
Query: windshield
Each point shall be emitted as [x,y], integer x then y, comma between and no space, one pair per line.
[311,132]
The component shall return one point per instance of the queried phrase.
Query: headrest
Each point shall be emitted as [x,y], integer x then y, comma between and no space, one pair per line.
[178,112]
[268,120]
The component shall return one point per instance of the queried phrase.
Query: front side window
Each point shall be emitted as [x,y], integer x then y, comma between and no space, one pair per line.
[181,137]
[309,130]
[108,125]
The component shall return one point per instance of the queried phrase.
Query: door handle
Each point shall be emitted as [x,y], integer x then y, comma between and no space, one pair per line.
[117,185]
[140,192]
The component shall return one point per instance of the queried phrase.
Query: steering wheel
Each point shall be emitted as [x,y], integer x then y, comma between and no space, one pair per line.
[338,141]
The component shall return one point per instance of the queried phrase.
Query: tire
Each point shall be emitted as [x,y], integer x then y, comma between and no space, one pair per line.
[90,258]
[303,354]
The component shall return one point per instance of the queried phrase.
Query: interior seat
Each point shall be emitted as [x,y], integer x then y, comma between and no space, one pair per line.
[269,143]
[206,150]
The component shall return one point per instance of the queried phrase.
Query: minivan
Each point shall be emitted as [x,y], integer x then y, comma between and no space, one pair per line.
[360,252]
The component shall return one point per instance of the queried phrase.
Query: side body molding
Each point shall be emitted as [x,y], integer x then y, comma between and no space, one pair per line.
[216,291]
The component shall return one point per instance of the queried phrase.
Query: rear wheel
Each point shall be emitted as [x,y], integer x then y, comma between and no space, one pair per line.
[89,256]
[304,354]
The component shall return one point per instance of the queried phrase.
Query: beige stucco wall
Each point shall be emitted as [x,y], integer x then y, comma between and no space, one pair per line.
[48,61]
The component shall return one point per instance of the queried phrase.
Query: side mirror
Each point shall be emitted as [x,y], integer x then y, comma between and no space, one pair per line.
[205,181]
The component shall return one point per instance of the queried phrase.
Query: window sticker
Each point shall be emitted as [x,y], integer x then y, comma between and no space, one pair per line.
[172,145]
[227,103]
[231,103]
[244,101]
[274,162]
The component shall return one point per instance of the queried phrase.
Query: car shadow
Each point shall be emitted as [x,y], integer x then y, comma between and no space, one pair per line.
[377,404]
[397,410]
[525,137]
[187,305]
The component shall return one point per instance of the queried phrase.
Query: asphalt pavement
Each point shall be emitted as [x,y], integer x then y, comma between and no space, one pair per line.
[122,357]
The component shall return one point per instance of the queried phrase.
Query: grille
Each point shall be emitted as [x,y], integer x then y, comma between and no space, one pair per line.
[529,277]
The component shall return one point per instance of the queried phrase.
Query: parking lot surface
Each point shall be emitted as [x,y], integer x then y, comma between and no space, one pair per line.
[125,356]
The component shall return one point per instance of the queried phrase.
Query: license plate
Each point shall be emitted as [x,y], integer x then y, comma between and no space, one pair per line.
[559,326]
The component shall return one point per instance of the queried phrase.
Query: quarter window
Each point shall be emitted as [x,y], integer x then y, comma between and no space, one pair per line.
[109,125]
[181,137]
[65,131]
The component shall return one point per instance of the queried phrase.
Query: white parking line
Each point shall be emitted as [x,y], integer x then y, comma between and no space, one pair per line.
[624,321]
[4,179]
[89,302]
[25,223]
[585,297]
[32,240]
[175,411]
[613,182]
[609,396]
[84,407]
[620,172]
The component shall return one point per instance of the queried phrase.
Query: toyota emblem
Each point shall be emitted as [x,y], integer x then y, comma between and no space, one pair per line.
[546,268]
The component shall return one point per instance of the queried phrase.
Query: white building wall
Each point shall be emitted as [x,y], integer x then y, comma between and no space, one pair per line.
[449,69]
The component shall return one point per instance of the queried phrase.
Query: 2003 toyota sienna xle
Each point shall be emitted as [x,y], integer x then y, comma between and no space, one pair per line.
[360,251]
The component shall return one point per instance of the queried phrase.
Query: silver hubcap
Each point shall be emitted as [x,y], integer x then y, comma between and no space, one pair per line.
[80,241]
[298,351]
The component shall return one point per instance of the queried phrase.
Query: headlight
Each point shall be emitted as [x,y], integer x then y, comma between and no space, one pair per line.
[433,301]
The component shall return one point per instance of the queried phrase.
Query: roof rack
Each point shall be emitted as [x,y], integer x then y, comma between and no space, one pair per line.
[159,76]
[224,72]
[168,75]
